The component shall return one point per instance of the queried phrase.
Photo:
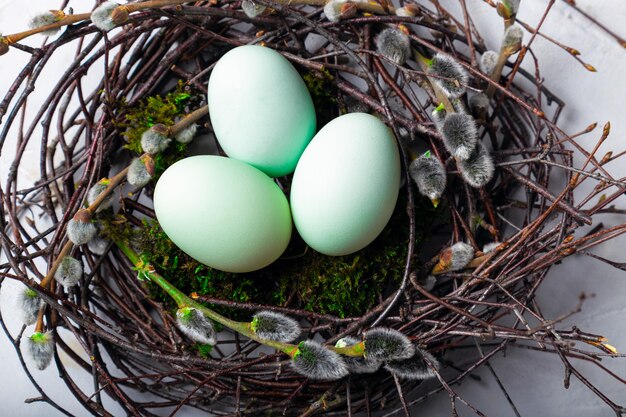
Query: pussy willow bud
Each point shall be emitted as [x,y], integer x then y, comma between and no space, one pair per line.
[455,258]
[196,326]
[120,15]
[409,10]
[140,171]
[46,18]
[462,255]
[357,365]
[69,272]
[28,304]
[318,362]
[348,10]
[252,9]
[333,10]
[41,349]
[4,45]
[98,245]
[155,140]
[439,115]
[394,44]
[414,368]
[512,41]
[80,229]
[491,246]
[95,191]
[382,343]
[508,8]
[488,62]
[460,135]
[430,176]
[102,16]
[454,77]
[458,105]
[275,326]
[187,134]
[478,169]
[479,103]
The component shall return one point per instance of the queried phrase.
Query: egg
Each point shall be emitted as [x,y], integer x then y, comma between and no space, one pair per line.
[223,212]
[346,184]
[260,109]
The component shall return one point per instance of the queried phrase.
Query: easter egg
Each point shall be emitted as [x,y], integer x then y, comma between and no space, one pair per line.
[346,184]
[260,109]
[223,212]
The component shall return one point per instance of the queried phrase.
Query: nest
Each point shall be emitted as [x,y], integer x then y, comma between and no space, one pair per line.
[528,209]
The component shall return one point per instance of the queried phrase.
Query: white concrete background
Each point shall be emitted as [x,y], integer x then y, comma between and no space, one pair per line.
[534,380]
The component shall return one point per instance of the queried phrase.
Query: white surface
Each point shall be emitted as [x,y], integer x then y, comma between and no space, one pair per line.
[534,380]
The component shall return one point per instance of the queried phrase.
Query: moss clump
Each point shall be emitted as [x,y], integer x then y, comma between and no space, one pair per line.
[187,274]
[153,110]
[343,286]
[323,93]
[204,351]
[350,285]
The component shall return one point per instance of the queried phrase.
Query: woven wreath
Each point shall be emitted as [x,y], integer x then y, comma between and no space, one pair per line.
[478,223]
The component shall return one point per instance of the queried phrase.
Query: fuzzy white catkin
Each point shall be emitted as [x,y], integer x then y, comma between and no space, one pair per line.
[44,19]
[462,255]
[513,5]
[138,175]
[394,44]
[429,175]
[460,135]
[40,347]
[479,102]
[79,232]
[332,10]
[154,142]
[28,304]
[439,115]
[251,9]
[414,368]
[69,272]
[454,76]
[196,326]
[271,325]
[490,247]
[488,62]
[187,134]
[98,245]
[93,194]
[478,169]
[318,362]
[383,343]
[101,16]
[513,37]
[357,365]
[405,11]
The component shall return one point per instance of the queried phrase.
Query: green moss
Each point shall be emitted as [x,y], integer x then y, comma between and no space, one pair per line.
[204,351]
[186,273]
[323,92]
[153,110]
[350,285]
[343,286]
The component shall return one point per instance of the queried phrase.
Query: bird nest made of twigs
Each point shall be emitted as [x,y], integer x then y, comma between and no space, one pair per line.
[486,207]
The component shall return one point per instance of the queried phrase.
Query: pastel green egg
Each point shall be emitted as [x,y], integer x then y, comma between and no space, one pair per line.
[346,184]
[223,213]
[260,109]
